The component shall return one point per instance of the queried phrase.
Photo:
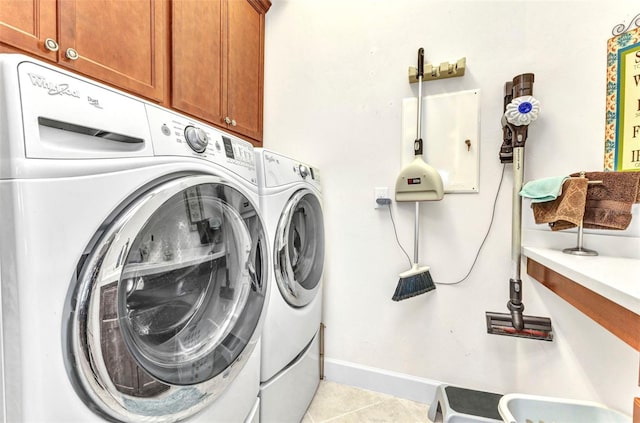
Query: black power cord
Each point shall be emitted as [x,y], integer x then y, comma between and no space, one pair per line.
[396,233]
[486,235]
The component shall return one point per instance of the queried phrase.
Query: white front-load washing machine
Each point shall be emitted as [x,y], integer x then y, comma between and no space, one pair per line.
[291,202]
[133,258]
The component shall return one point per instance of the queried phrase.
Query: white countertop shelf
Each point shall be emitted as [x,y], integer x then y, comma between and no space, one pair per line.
[615,278]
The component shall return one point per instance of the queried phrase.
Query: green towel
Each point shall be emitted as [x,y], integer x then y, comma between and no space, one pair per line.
[542,190]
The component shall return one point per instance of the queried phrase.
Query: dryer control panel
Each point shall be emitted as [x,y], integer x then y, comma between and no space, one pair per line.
[281,170]
[176,135]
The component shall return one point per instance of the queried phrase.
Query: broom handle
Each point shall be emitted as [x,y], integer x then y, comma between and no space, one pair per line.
[417,149]
[416,234]
[419,119]
[417,146]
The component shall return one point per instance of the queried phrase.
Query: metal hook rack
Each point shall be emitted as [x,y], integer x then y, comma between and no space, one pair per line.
[444,70]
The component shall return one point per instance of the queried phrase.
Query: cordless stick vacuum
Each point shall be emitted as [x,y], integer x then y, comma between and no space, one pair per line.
[520,109]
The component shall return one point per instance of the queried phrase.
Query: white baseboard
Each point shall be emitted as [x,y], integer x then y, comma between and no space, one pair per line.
[378,380]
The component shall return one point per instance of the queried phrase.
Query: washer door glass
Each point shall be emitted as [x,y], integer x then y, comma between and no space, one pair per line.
[184,285]
[299,249]
[170,299]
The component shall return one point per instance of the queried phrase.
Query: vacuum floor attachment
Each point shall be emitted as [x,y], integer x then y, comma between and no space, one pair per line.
[535,327]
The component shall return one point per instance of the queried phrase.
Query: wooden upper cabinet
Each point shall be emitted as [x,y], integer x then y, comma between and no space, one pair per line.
[211,52]
[196,78]
[25,25]
[120,42]
[218,62]
[245,66]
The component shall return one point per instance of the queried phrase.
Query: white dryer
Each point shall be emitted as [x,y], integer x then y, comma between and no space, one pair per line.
[133,258]
[291,202]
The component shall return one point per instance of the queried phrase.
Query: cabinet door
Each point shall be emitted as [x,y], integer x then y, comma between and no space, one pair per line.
[245,66]
[120,42]
[196,63]
[26,24]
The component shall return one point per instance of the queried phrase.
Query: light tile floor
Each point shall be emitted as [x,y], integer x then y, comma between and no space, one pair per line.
[338,403]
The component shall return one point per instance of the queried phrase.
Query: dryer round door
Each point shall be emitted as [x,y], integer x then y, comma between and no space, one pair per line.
[299,248]
[168,302]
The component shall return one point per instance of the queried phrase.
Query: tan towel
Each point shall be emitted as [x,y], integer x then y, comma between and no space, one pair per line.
[567,210]
[609,204]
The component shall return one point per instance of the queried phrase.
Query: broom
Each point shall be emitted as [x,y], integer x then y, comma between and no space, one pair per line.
[417,182]
[416,280]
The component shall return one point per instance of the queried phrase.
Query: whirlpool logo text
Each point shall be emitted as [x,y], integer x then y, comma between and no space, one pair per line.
[53,88]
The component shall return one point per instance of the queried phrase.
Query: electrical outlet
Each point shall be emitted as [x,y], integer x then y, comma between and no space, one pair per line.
[380,192]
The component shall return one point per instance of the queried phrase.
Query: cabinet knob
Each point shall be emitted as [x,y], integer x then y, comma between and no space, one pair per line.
[72,54]
[233,122]
[51,45]
[227,120]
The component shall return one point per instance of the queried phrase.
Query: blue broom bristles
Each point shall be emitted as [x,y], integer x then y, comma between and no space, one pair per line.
[413,285]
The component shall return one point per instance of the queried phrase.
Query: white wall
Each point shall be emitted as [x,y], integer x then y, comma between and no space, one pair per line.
[335,77]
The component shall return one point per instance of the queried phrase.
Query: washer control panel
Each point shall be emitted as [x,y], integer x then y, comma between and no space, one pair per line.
[176,135]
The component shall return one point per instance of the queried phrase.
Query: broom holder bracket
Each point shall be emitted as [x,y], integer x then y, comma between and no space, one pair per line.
[442,71]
